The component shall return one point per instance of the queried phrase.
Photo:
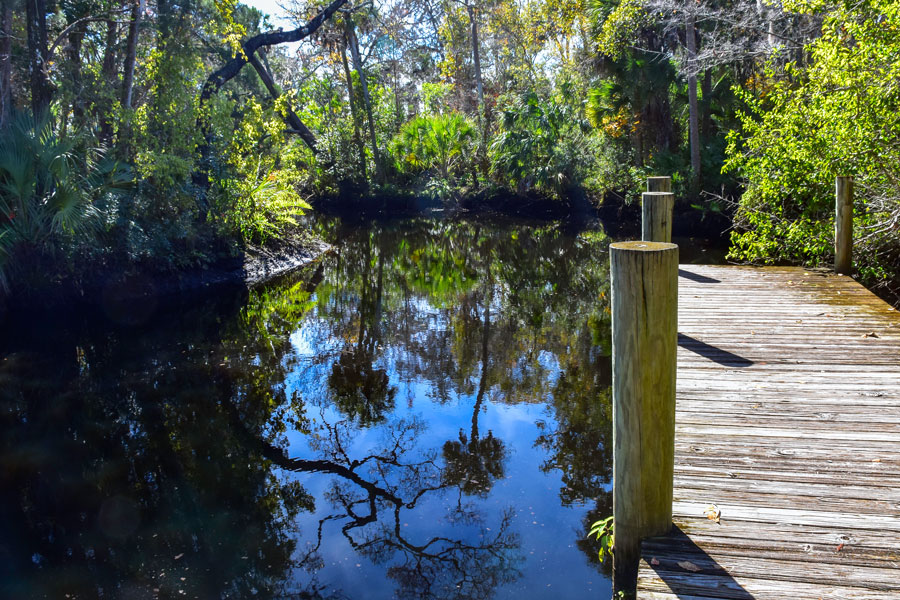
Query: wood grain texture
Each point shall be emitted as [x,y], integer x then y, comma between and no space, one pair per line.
[644,277]
[656,216]
[788,421]
[659,183]
[843,225]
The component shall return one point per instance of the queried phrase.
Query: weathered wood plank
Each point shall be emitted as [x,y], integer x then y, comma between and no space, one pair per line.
[699,585]
[788,421]
[717,564]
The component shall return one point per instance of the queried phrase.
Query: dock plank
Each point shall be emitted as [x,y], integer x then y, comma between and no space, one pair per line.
[788,421]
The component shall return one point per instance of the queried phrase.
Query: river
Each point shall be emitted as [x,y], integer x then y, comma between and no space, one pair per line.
[424,413]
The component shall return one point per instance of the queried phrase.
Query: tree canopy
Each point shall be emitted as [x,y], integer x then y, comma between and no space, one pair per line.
[193,130]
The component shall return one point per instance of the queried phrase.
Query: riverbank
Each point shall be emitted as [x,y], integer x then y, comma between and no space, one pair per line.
[615,214]
[124,284]
[116,288]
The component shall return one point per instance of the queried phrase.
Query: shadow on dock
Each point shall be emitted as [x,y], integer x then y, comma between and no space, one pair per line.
[723,357]
[688,571]
[696,277]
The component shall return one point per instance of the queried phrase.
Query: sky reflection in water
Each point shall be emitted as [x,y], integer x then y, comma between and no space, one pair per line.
[424,414]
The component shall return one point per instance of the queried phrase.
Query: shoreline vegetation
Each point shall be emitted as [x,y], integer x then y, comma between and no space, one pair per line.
[146,139]
[299,247]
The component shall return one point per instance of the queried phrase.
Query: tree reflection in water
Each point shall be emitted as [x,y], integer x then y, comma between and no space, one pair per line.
[176,458]
[474,462]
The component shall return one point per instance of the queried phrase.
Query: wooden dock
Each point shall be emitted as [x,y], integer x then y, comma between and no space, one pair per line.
[788,430]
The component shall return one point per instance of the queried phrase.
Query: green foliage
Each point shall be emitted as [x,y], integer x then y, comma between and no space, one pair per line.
[437,145]
[603,531]
[255,197]
[260,209]
[838,116]
[48,195]
[273,313]
[165,129]
[231,31]
[435,95]
[619,26]
[542,144]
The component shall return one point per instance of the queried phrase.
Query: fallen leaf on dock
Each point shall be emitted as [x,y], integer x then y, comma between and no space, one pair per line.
[689,566]
[840,547]
[871,334]
[713,513]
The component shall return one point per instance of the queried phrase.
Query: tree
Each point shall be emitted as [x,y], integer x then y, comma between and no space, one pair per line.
[245,55]
[38,53]
[836,116]
[353,43]
[6,95]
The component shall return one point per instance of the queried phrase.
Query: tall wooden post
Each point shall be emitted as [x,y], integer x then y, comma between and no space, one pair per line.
[644,343]
[843,225]
[656,216]
[659,184]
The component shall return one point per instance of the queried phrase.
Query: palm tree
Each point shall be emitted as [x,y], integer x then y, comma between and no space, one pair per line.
[436,142]
[46,193]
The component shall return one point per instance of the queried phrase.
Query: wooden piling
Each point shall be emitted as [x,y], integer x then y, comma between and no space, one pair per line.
[659,184]
[843,225]
[656,216]
[644,344]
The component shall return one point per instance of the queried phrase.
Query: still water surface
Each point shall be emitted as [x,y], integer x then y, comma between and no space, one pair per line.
[425,413]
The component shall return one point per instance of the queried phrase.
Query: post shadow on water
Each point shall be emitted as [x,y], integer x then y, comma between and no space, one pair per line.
[723,357]
[688,570]
[696,277]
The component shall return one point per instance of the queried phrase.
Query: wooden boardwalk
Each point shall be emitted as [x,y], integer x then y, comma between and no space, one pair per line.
[788,421]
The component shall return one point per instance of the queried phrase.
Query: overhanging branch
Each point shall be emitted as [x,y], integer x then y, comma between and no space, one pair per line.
[270,38]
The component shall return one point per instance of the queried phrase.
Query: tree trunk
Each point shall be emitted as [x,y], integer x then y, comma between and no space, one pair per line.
[354,112]
[479,89]
[765,13]
[398,108]
[6,98]
[229,71]
[706,116]
[476,57]
[36,25]
[694,120]
[73,56]
[357,64]
[482,382]
[297,126]
[109,74]
[137,9]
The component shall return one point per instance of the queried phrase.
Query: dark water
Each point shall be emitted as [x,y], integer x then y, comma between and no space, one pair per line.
[424,415]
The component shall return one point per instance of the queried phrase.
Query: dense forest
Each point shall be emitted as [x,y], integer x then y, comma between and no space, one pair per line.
[161,136]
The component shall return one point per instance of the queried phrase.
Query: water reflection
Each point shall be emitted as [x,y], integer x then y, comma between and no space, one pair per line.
[423,415]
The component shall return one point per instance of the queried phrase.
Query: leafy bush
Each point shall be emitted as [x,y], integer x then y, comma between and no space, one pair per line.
[48,196]
[435,142]
[838,116]
[543,144]
[257,209]
[436,145]
[255,192]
